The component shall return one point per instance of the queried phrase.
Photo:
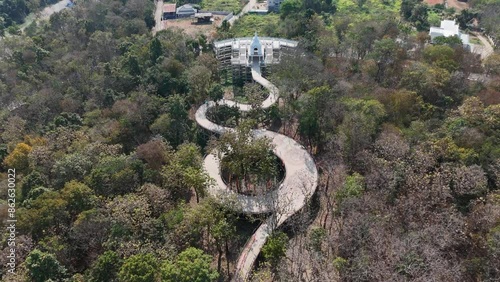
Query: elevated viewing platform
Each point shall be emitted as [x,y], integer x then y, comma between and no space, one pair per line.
[239,54]
[243,50]
[301,177]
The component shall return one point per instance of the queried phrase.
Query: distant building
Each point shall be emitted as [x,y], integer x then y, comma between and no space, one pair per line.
[203,17]
[169,11]
[274,5]
[449,28]
[238,54]
[186,10]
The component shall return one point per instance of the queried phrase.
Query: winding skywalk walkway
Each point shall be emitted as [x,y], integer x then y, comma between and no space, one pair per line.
[298,185]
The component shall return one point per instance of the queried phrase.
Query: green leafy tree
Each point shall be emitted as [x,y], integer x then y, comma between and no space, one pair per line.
[315,114]
[106,268]
[71,167]
[316,237]
[46,215]
[420,16]
[192,265]
[139,268]
[464,19]
[452,41]
[275,247]
[177,132]
[78,196]
[429,82]
[289,7]
[184,172]
[403,106]
[199,80]
[31,181]
[386,55]
[216,92]
[149,18]
[245,156]
[353,187]
[212,223]
[196,179]
[44,267]
[407,7]
[441,56]
[155,49]
[115,175]
[360,125]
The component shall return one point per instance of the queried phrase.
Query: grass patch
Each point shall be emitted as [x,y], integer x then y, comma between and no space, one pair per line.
[475,41]
[223,5]
[366,7]
[241,99]
[264,25]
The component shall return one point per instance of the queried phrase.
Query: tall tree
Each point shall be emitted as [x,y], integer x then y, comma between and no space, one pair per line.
[245,155]
[192,265]
[139,268]
[44,267]
[106,268]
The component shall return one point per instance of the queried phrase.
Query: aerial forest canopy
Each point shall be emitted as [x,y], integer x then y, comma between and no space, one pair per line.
[97,119]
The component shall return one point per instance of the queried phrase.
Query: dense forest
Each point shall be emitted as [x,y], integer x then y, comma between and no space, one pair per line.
[97,121]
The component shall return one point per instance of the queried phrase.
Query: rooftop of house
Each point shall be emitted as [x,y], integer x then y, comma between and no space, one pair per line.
[186,8]
[448,28]
[169,8]
[203,15]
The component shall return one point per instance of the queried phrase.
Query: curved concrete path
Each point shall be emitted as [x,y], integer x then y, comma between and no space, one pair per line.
[299,184]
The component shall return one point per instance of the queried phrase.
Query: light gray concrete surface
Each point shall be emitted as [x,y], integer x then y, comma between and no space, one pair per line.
[158,14]
[299,183]
[244,10]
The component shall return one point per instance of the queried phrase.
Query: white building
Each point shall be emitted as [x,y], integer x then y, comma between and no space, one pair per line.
[449,28]
[238,54]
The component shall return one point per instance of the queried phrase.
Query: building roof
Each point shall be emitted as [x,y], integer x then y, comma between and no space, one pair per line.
[256,45]
[448,28]
[203,15]
[241,53]
[169,8]
[186,9]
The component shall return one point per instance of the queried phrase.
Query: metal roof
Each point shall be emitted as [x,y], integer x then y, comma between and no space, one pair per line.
[202,15]
[187,8]
[169,8]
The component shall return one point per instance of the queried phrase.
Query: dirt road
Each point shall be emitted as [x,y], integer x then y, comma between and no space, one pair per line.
[485,49]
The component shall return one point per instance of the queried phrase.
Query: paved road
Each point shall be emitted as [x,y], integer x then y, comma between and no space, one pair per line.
[158,13]
[244,10]
[298,186]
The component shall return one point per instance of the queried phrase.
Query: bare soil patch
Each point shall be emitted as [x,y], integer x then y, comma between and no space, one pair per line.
[433,2]
[190,27]
[458,5]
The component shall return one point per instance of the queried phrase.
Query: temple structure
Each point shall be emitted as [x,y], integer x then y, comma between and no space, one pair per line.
[237,55]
